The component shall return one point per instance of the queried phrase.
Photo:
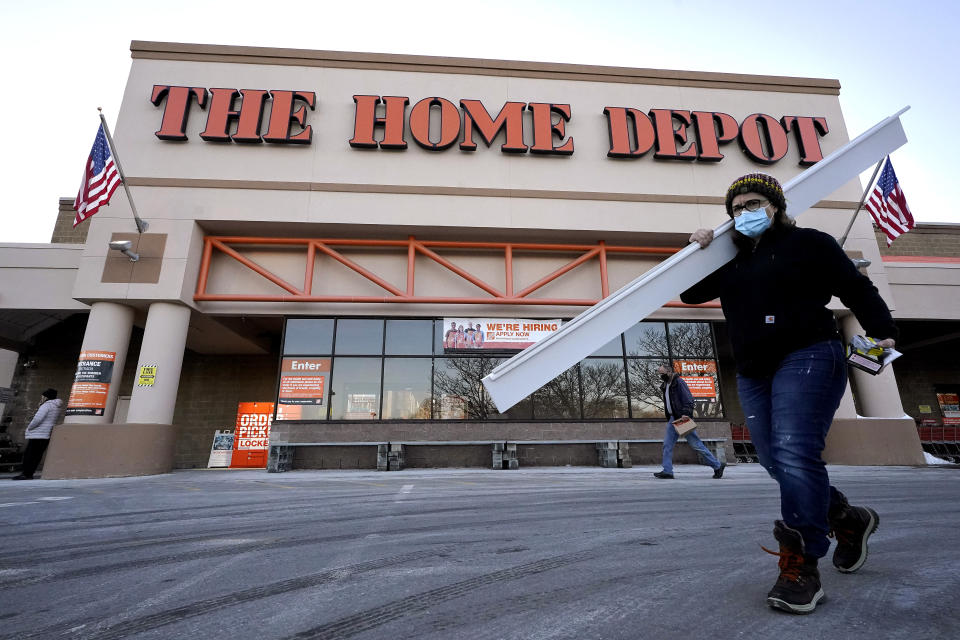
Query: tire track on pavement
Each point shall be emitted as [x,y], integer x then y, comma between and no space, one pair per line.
[92,549]
[85,628]
[203,554]
[368,619]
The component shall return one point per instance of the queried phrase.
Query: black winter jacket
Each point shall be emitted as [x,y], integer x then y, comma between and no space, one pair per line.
[681,400]
[775,297]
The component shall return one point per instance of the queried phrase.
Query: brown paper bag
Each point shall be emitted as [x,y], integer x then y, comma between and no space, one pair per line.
[684,425]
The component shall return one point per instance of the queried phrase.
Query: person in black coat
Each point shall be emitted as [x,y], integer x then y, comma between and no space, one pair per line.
[677,404]
[792,373]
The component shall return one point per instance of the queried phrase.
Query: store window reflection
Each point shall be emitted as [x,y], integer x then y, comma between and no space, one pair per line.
[409,337]
[612,348]
[406,388]
[646,399]
[458,391]
[312,336]
[604,388]
[647,339]
[559,398]
[359,337]
[355,389]
[400,369]
[691,339]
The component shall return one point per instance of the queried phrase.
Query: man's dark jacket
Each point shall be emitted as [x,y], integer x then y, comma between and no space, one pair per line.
[681,400]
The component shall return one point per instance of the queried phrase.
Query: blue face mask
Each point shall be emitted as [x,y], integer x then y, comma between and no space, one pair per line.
[752,223]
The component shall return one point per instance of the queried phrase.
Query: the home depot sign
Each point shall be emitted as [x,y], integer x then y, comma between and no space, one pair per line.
[437,124]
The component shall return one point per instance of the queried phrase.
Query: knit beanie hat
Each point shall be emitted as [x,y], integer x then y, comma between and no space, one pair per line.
[762,183]
[50,394]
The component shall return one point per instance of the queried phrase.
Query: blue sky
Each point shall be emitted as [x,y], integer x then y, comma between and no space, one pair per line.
[64,59]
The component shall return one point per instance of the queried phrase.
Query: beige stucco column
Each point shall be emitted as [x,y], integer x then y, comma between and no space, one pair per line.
[164,340]
[847,408]
[144,444]
[879,395]
[108,330]
[882,434]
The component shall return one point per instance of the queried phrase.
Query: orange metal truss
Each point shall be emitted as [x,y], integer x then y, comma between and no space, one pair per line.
[412,246]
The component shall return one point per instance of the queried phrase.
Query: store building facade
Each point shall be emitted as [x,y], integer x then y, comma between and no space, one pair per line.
[357,239]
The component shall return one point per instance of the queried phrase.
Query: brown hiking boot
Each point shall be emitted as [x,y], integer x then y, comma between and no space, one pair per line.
[797,589]
[851,526]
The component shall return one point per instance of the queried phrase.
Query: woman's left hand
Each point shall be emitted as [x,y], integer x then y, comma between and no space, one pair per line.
[887,343]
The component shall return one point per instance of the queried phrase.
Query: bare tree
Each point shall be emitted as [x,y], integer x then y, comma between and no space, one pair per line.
[601,383]
[691,339]
[461,378]
[646,387]
[687,339]
[604,389]
[559,398]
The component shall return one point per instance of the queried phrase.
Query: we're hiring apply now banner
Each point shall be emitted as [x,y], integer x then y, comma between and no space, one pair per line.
[495,333]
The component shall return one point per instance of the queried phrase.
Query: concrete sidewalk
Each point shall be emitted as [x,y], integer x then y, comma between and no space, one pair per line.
[461,553]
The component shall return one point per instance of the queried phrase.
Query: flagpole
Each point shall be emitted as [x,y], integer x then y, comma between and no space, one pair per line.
[862,200]
[142,225]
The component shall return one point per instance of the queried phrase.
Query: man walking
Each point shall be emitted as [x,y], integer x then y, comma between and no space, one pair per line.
[678,403]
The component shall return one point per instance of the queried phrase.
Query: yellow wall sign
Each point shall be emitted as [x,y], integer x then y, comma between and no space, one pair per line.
[148,375]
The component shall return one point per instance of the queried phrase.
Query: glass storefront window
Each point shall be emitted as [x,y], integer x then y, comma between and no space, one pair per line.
[359,337]
[458,393]
[647,339]
[313,336]
[409,337]
[646,400]
[559,399]
[612,348]
[705,388]
[403,360]
[406,388]
[355,389]
[304,388]
[604,388]
[439,332]
[691,339]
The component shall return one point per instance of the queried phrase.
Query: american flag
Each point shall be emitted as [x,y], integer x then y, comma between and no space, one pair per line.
[100,180]
[888,206]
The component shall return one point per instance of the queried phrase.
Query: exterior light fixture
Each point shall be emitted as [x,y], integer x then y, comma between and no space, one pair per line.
[123,246]
[860,263]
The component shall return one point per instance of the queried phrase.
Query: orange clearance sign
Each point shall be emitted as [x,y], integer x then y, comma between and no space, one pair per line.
[701,386]
[91,383]
[251,437]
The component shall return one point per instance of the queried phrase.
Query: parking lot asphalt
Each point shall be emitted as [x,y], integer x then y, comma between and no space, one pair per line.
[460,553]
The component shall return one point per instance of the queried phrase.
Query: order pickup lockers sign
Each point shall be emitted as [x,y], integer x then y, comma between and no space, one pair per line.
[251,437]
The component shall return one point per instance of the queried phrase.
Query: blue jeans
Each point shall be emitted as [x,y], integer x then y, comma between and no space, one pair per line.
[789,414]
[670,440]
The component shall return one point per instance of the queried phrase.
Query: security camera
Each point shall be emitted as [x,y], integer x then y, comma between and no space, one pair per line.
[123,246]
